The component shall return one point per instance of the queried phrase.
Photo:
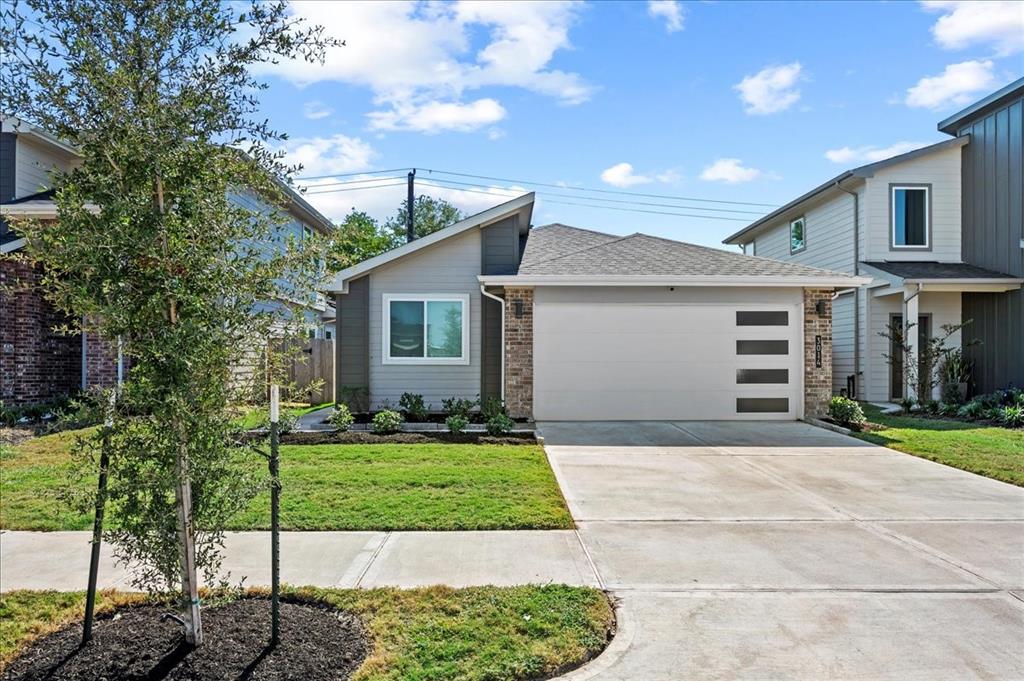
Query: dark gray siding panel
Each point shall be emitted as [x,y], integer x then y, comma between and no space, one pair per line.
[8,140]
[352,360]
[993,230]
[490,349]
[499,246]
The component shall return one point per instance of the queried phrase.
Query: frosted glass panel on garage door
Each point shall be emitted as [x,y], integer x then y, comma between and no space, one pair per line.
[598,361]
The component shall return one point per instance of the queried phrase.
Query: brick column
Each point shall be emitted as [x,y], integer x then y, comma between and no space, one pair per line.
[817,349]
[519,352]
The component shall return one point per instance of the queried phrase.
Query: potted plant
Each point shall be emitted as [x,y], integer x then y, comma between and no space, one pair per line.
[956,375]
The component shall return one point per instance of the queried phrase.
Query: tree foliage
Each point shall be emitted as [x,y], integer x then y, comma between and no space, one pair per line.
[157,243]
[360,237]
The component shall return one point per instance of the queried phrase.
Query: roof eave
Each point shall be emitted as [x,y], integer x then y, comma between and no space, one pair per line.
[993,101]
[767,280]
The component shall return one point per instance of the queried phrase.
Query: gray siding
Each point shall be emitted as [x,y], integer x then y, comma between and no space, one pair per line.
[450,266]
[500,252]
[993,230]
[352,361]
[8,140]
[842,341]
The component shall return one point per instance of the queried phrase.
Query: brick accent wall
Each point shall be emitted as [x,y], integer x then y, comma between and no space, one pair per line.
[519,352]
[817,379]
[37,365]
[100,361]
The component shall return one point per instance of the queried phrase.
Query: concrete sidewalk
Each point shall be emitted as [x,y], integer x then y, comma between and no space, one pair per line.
[59,560]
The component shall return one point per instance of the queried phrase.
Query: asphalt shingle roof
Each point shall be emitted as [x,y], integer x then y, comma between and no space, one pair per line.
[562,250]
[936,270]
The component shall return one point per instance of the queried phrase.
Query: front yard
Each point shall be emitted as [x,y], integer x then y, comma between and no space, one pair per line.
[333,487]
[490,633]
[983,449]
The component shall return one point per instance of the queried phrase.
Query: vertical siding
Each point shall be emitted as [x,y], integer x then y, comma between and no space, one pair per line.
[993,224]
[451,266]
[842,341]
[352,353]
[499,254]
[8,141]
[500,247]
[942,171]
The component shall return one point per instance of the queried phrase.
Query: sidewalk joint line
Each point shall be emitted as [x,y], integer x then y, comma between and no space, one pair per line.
[373,559]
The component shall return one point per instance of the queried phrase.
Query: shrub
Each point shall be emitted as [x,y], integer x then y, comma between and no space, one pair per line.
[974,409]
[846,412]
[286,422]
[948,408]
[458,406]
[341,418]
[492,407]
[386,422]
[456,423]
[500,425]
[951,394]
[413,407]
[1012,416]
[906,404]
[931,406]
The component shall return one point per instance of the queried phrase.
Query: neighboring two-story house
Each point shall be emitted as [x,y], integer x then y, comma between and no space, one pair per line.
[938,231]
[37,363]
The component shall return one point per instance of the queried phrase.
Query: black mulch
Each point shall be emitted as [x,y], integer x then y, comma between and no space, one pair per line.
[359,438]
[316,643]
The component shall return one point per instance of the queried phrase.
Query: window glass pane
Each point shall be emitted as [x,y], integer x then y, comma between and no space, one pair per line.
[762,405]
[762,376]
[406,328]
[762,347]
[796,235]
[909,217]
[444,328]
[762,318]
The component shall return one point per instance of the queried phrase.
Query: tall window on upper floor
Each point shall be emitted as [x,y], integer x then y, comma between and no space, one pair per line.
[910,216]
[797,235]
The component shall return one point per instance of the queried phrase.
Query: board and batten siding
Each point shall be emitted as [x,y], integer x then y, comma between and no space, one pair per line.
[352,360]
[499,254]
[993,237]
[941,171]
[450,266]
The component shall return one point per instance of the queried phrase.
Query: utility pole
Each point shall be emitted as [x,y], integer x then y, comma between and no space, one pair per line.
[410,227]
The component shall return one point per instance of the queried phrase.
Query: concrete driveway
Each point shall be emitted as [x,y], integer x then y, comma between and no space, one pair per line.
[783,551]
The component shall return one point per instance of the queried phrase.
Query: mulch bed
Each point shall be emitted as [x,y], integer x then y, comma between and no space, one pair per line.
[16,435]
[364,438]
[317,642]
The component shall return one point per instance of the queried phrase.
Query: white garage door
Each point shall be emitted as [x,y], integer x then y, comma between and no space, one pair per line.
[614,361]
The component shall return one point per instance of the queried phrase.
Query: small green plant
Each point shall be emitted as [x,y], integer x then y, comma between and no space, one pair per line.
[1012,416]
[413,407]
[386,422]
[846,412]
[458,406]
[499,424]
[286,422]
[906,404]
[491,407]
[931,406]
[974,409]
[948,408]
[341,418]
[456,423]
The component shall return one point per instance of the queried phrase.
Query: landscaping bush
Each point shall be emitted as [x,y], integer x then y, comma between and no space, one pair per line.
[906,404]
[286,422]
[931,406]
[341,418]
[500,424]
[975,409]
[948,408]
[458,406]
[413,407]
[492,407]
[1012,416]
[456,423]
[386,422]
[846,412]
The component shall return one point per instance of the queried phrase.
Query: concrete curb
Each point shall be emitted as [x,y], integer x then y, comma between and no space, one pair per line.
[828,426]
[622,640]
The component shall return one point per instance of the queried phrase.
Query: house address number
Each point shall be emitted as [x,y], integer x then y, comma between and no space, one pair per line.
[817,352]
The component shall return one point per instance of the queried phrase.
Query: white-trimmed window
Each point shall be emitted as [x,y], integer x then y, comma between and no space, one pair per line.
[425,329]
[797,235]
[910,217]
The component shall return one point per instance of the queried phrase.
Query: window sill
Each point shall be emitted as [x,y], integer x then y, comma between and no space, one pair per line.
[420,361]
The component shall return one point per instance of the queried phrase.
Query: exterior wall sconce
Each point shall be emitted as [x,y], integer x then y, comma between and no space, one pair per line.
[517,306]
[821,307]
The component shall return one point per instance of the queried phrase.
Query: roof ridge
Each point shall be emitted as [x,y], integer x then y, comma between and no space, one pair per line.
[578,229]
[583,250]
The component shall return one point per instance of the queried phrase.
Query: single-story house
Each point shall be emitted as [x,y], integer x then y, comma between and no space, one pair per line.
[565,323]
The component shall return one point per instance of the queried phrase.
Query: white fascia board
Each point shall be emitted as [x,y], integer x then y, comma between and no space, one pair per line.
[341,279]
[674,280]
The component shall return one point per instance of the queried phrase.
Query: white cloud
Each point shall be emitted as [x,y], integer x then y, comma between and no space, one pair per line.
[959,84]
[622,175]
[315,110]
[420,55]
[329,155]
[669,10]
[963,24]
[433,117]
[730,171]
[870,154]
[772,89]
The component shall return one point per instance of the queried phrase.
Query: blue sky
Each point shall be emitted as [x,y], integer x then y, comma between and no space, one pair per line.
[742,102]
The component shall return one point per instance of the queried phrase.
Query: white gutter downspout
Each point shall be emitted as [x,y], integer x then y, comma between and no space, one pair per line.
[856,291]
[501,301]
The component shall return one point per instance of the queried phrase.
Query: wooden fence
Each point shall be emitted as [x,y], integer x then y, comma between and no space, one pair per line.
[314,363]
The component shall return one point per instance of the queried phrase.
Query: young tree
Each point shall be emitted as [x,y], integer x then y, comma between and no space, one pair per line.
[159,98]
[429,215]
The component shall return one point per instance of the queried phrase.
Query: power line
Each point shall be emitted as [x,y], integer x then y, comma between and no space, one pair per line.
[352,189]
[348,182]
[600,191]
[365,172]
[619,201]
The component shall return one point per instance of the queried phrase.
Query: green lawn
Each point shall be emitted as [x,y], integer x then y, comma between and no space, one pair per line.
[255,416]
[987,450]
[478,634]
[334,487]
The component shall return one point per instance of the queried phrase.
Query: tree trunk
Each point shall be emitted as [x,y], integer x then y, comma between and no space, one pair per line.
[187,547]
